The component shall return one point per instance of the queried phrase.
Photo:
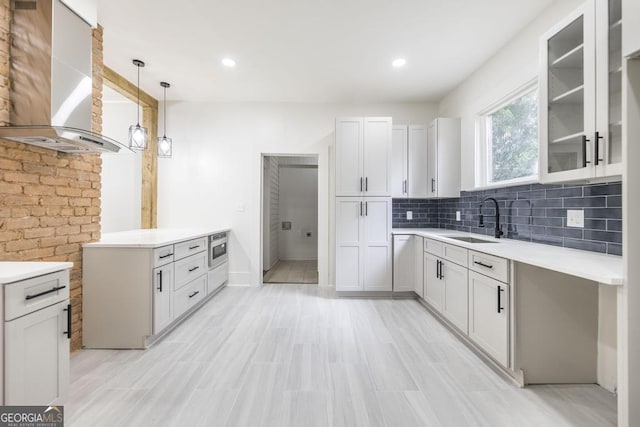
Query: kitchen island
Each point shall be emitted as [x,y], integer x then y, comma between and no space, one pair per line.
[140,284]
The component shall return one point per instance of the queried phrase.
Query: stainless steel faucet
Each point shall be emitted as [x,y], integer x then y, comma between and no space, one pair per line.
[498,231]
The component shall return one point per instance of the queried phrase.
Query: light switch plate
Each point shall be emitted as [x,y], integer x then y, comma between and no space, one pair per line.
[409,215]
[458,216]
[575,218]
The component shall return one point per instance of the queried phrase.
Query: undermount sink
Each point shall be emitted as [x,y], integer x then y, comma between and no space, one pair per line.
[469,239]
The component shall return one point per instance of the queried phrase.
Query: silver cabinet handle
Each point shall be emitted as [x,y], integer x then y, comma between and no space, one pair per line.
[366,208]
[360,208]
[360,184]
[500,307]
[366,183]
[433,185]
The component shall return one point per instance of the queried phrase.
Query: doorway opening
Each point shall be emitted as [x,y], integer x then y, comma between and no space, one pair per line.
[290,219]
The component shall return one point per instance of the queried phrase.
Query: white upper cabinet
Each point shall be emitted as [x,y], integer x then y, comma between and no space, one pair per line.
[399,166]
[409,165]
[363,156]
[631,28]
[349,160]
[443,158]
[580,94]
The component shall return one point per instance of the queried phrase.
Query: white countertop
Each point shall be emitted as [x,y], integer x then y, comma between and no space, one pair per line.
[14,271]
[151,238]
[605,269]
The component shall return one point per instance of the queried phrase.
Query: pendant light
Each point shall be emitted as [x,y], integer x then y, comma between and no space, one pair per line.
[138,134]
[164,143]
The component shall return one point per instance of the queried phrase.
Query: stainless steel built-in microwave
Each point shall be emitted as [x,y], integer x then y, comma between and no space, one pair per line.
[217,249]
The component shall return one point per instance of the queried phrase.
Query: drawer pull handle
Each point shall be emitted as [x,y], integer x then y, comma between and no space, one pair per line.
[194,247]
[166,256]
[194,268]
[57,288]
[194,294]
[69,330]
[483,264]
[500,307]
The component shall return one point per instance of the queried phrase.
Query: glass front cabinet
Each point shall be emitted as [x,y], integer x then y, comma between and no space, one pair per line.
[580,94]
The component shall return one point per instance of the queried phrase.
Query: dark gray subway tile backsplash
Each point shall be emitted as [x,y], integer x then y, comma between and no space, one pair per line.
[535,213]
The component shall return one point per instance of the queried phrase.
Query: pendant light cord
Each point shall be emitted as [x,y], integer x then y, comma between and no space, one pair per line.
[138,109]
[165,112]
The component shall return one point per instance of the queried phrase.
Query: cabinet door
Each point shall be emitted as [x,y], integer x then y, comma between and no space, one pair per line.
[36,364]
[418,254]
[417,161]
[432,160]
[448,157]
[377,246]
[567,98]
[403,263]
[163,278]
[489,316]
[377,156]
[399,161]
[349,159]
[433,285]
[349,243]
[608,145]
[456,296]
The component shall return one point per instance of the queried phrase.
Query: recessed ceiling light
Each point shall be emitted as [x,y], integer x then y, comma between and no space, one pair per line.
[400,62]
[228,62]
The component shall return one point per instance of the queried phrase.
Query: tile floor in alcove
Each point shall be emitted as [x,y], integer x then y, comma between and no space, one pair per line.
[303,272]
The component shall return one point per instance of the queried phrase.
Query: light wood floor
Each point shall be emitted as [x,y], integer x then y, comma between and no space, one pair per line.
[294,355]
[301,272]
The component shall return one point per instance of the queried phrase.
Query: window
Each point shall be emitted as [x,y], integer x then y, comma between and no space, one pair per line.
[509,140]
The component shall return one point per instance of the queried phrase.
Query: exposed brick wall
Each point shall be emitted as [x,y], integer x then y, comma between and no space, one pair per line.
[49,201]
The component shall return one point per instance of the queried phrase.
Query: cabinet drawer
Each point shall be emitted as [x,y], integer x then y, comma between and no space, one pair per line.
[189,295]
[189,268]
[434,247]
[163,255]
[217,277]
[489,265]
[33,294]
[190,247]
[455,254]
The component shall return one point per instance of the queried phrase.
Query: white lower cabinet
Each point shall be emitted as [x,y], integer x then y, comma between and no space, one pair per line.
[132,295]
[445,289]
[37,332]
[163,279]
[37,357]
[419,265]
[433,286]
[403,263]
[489,316]
[190,295]
[455,307]
[217,277]
[363,244]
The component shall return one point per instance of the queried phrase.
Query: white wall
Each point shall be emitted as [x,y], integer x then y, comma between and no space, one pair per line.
[214,177]
[512,67]
[298,203]
[121,172]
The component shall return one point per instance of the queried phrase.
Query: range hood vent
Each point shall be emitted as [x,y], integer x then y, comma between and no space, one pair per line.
[51,95]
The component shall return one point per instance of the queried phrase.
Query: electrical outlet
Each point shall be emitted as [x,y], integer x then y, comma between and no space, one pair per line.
[409,215]
[458,216]
[575,218]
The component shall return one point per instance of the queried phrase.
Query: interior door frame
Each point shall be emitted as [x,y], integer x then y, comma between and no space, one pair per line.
[262,201]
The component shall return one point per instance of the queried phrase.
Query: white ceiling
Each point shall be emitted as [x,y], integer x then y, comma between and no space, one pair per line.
[307,51]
